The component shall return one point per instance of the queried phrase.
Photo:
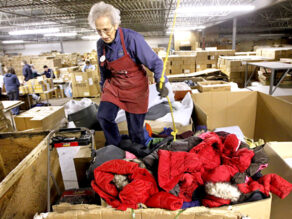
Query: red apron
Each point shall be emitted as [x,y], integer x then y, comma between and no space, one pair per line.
[128,85]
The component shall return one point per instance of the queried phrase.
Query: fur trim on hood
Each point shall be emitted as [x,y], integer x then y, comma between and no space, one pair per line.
[223,190]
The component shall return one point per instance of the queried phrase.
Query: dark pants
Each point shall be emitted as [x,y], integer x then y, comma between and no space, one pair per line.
[14,95]
[107,113]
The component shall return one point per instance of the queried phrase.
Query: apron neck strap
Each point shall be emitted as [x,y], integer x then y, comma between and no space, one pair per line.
[122,40]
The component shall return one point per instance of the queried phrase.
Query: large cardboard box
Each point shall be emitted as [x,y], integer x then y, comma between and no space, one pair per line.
[85,84]
[258,115]
[278,152]
[214,86]
[258,210]
[40,118]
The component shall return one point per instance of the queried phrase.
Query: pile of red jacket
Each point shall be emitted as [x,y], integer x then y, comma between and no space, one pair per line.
[214,161]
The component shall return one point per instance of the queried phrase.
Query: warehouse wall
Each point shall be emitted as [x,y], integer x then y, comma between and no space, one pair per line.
[69,46]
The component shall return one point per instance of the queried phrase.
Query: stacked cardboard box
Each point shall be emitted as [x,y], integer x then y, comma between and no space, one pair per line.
[264,78]
[38,85]
[286,60]
[213,86]
[275,53]
[40,118]
[209,59]
[5,124]
[51,61]
[65,73]
[233,67]
[85,84]
[180,64]
[91,56]
[15,62]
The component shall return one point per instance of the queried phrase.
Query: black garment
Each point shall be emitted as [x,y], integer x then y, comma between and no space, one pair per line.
[139,150]
[258,159]
[157,111]
[251,197]
[103,155]
[151,161]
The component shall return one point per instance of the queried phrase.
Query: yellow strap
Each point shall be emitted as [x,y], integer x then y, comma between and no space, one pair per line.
[162,79]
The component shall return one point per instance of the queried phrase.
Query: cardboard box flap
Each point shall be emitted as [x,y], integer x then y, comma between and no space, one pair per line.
[281,208]
[229,109]
[274,119]
[66,211]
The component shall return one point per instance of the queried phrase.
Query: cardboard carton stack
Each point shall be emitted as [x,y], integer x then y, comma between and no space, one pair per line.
[40,118]
[15,62]
[5,124]
[209,59]
[65,73]
[264,78]
[180,64]
[51,61]
[286,60]
[91,56]
[275,53]
[38,85]
[185,52]
[232,66]
[85,84]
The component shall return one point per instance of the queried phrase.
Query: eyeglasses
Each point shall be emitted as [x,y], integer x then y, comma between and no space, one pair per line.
[105,31]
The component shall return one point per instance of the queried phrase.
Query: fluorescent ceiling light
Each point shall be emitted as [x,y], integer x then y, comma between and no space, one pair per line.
[70,34]
[215,8]
[37,23]
[91,37]
[183,29]
[12,41]
[212,10]
[34,31]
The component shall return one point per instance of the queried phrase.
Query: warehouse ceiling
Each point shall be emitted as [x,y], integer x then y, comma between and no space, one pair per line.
[149,17]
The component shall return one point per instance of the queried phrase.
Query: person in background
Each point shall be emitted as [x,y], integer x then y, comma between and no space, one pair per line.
[88,66]
[2,73]
[34,72]
[1,84]
[26,71]
[124,84]
[12,84]
[48,72]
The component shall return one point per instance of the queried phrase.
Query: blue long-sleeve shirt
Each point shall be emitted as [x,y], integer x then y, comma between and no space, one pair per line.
[11,82]
[137,48]
[27,72]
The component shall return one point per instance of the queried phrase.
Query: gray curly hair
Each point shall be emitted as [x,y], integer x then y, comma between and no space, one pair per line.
[101,9]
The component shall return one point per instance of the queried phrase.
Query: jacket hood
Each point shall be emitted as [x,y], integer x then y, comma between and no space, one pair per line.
[8,75]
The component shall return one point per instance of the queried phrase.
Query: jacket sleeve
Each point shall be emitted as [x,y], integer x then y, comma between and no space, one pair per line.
[24,72]
[17,81]
[148,57]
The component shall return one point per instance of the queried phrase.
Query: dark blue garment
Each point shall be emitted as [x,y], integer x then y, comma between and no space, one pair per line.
[27,72]
[49,73]
[11,82]
[107,113]
[191,204]
[14,95]
[137,48]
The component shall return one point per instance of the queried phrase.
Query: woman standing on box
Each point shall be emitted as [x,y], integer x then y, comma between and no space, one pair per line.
[12,84]
[124,84]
